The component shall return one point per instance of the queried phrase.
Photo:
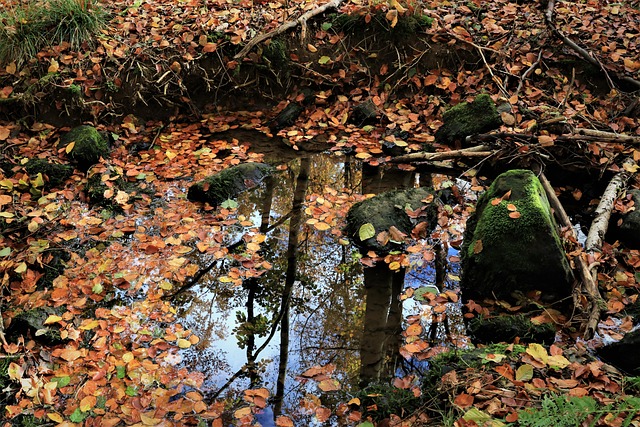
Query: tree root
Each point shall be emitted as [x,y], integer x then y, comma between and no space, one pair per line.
[302,20]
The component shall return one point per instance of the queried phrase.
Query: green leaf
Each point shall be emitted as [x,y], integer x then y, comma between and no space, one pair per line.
[326,26]
[229,204]
[5,251]
[62,381]
[368,128]
[366,231]
[366,424]
[419,294]
[121,371]
[131,391]
[78,416]
[324,60]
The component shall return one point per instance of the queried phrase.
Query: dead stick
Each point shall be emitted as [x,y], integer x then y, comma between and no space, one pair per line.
[479,151]
[586,278]
[333,4]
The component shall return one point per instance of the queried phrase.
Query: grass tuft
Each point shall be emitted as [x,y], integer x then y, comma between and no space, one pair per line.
[34,25]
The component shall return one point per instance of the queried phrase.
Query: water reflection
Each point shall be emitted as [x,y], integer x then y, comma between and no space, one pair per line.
[314,307]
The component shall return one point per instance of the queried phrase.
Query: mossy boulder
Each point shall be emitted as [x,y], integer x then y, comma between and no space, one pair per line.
[54,174]
[228,183]
[31,323]
[506,328]
[380,213]
[467,119]
[626,228]
[88,146]
[511,243]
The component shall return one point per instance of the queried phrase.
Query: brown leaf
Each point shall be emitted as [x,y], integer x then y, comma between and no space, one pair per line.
[463,400]
[477,247]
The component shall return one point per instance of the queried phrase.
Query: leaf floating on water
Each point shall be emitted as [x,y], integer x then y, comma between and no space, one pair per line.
[330,384]
[366,231]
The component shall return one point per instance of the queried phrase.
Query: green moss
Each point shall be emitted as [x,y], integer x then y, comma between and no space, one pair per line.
[56,174]
[228,183]
[352,23]
[386,210]
[467,119]
[503,254]
[506,328]
[276,52]
[89,146]
[97,185]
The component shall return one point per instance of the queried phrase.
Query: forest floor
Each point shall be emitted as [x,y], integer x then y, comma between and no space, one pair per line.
[162,77]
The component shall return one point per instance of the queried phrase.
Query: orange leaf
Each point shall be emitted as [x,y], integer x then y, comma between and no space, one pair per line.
[323,414]
[414,330]
[496,201]
[515,215]
[511,207]
[330,384]
[463,400]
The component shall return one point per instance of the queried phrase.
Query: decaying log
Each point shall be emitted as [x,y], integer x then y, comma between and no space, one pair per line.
[479,151]
[302,20]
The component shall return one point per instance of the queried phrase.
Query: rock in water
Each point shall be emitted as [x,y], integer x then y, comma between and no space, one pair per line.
[228,183]
[512,243]
[368,218]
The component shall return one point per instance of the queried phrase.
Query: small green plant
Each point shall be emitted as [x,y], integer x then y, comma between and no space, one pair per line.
[562,411]
[28,28]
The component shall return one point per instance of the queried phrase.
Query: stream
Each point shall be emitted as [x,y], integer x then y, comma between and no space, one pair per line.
[317,306]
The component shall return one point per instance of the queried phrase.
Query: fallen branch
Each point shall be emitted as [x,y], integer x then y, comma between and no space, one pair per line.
[302,20]
[587,281]
[479,151]
[581,51]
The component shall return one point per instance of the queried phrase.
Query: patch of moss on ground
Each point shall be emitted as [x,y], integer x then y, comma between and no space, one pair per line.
[55,174]
[88,146]
[467,119]
[407,25]
[228,183]
[506,328]
[501,254]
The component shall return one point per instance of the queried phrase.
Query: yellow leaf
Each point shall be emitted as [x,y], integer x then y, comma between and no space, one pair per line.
[392,16]
[524,372]
[69,147]
[149,420]
[329,385]
[395,265]
[55,417]
[182,343]
[165,285]
[311,48]
[21,268]
[87,403]
[52,319]
[242,412]
[363,156]
[127,357]
[122,197]
[32,226]
[630,168]
[89,325]
[53,68]
[322,226]
[170,154]
[538,352]
[398,6]
[558,361]
[15,371]
[11,68]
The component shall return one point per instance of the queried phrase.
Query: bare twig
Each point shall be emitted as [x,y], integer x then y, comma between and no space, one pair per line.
[479,151]
[529,71]
[333,4]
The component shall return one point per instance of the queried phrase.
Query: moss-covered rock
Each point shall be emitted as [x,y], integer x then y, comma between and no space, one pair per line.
[467,119]
[31,323]
[385,210]
[506,328]
[54,174]
[89,145]
[512,244]
[228,183]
